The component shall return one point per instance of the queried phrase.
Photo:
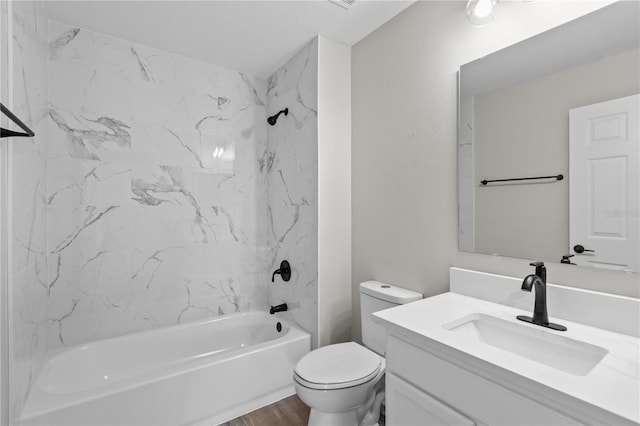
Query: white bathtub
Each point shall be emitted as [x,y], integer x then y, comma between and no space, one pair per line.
[204,372]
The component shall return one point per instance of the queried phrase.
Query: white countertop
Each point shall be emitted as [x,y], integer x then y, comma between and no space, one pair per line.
[612,385]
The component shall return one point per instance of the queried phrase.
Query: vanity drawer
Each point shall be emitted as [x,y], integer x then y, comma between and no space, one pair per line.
[467,393]
[408,405]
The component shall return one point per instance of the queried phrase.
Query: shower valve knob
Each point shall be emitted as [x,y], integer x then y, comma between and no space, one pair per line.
[284,272]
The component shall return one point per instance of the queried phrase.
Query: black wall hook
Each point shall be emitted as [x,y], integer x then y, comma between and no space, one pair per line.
[284,271]
[274,118]
[5,133]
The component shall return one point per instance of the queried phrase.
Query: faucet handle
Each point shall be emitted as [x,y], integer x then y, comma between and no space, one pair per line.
[284,271]
[541,271]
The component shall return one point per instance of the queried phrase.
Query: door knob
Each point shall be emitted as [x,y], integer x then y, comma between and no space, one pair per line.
[580,249]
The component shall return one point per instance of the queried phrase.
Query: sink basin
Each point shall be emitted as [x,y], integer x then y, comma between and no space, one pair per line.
[530,341]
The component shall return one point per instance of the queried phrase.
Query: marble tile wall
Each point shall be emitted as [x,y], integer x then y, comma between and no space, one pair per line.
[150,195]
[157,188]
[27,189]
[292,174]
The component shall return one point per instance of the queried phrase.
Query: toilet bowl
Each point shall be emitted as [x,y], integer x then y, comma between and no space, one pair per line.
[343,383]
[339,383]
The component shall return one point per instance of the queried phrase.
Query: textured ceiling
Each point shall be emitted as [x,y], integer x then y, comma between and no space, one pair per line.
[255,37]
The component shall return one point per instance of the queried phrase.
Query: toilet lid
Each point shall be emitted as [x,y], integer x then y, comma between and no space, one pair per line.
[339,365]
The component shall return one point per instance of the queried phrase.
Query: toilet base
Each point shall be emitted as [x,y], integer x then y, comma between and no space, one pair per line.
[349,418]
[367,414]
[319,418]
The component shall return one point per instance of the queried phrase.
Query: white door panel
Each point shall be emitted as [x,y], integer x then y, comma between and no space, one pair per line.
[604,183]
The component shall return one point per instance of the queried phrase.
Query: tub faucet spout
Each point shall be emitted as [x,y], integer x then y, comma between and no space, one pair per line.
[278,308]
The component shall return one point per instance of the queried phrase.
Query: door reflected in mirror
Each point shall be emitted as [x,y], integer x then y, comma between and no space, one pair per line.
[564,102]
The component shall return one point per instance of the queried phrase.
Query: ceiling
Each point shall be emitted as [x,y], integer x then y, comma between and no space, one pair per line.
[256,37]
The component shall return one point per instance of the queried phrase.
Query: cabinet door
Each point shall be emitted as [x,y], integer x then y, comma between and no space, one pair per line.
[486,401]
[409,406]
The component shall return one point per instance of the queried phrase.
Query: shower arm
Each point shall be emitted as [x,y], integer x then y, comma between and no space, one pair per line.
[274,118]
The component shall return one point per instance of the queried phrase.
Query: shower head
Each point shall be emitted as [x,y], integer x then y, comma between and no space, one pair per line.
[272,120]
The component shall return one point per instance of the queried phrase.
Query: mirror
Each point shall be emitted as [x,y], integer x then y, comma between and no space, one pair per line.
[535,109]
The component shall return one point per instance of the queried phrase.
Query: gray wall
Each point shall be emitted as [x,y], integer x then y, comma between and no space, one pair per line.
[334,191]
[523,130]
[404,112]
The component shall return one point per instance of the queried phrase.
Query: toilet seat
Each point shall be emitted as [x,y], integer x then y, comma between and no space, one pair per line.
[338,366]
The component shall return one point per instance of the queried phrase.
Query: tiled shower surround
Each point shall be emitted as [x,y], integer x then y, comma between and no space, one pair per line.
[157,192]
[153,192]
[27,244]
[159,205]
[292,174]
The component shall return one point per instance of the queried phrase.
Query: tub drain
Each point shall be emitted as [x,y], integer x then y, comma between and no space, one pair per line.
[279,327]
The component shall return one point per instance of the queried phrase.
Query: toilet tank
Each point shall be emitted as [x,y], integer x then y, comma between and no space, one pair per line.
[376,296]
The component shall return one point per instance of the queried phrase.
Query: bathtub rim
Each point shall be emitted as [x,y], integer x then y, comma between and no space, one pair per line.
[40,403]
[250,318]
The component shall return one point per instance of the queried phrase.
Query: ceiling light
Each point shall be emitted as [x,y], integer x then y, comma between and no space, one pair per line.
[480,12]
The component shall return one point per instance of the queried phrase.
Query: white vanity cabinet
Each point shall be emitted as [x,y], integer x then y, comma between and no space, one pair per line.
[458,359]
[408,405]
[424,389]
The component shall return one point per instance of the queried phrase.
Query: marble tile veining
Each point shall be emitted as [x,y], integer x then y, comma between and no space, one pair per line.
[154,192]
[27,194]
[156,188]
[291,164]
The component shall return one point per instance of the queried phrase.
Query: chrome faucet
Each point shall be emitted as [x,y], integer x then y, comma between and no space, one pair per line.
[538,280]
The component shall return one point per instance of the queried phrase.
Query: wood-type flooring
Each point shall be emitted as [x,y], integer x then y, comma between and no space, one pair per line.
[286,412]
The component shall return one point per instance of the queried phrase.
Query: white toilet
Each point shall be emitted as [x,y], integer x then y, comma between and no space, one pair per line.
[344,383]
